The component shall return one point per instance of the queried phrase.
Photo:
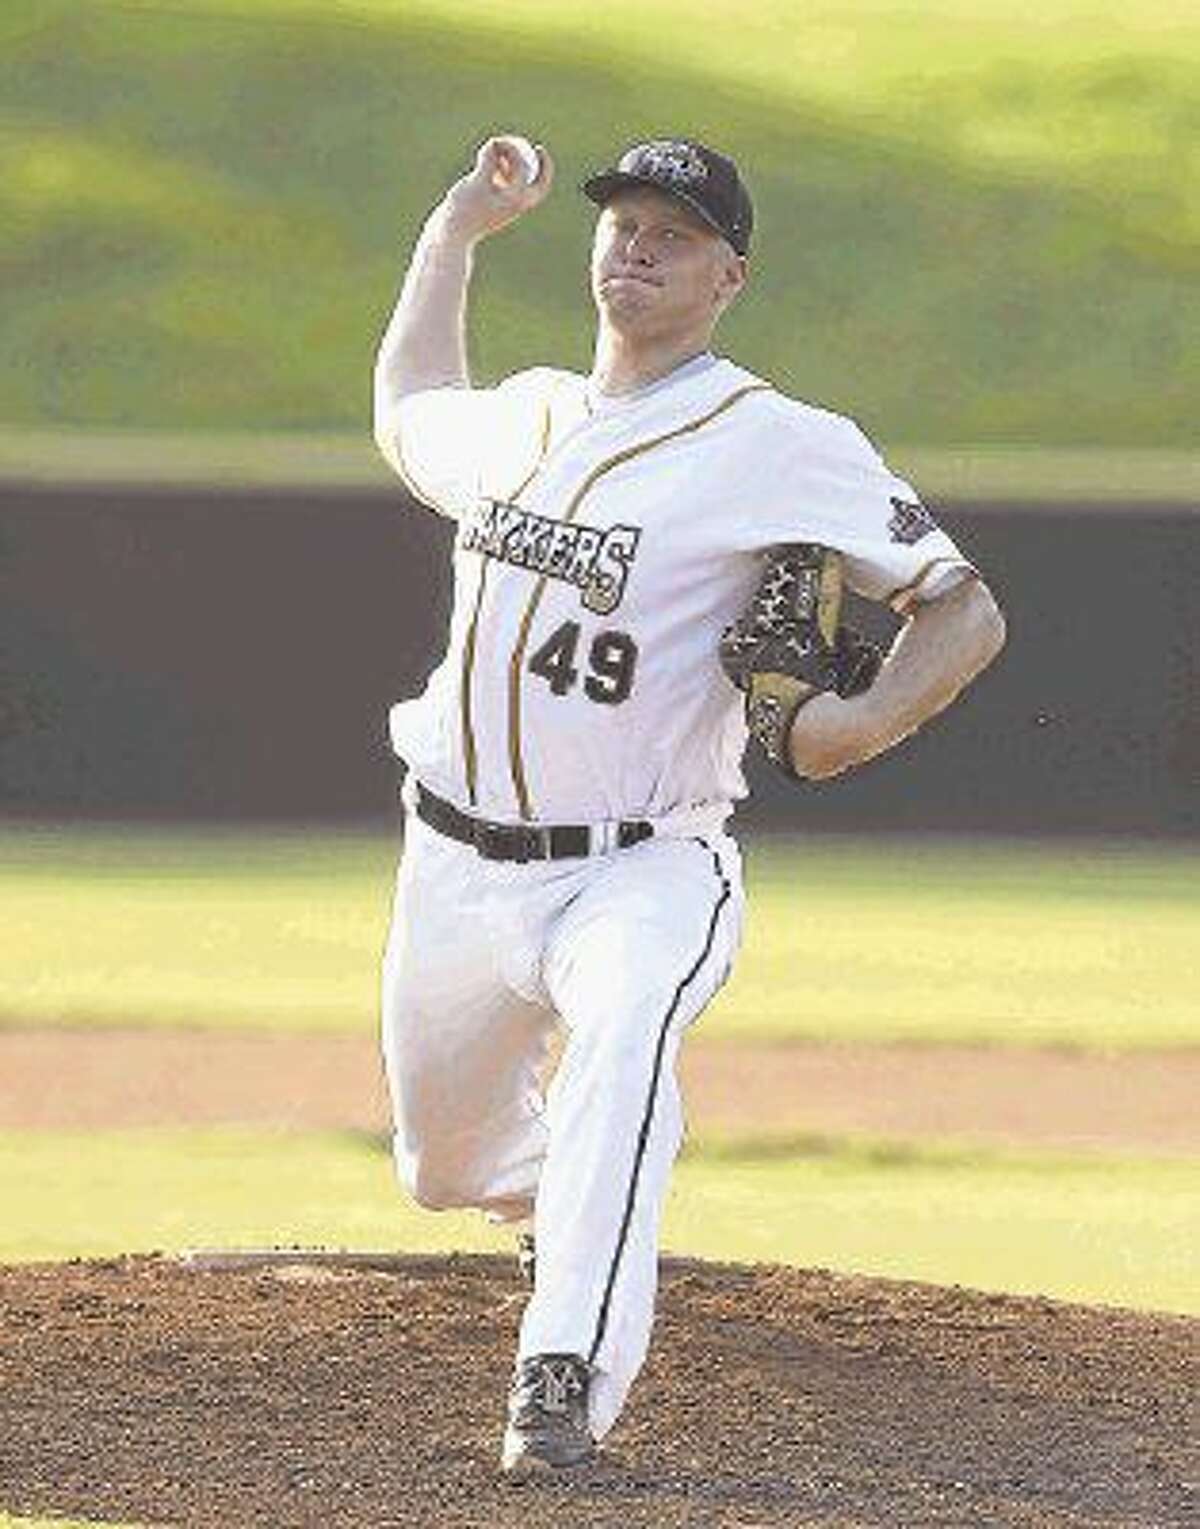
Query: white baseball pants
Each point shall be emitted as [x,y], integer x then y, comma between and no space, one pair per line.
[626,949]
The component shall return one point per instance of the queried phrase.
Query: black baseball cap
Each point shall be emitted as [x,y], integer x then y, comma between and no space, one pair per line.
[699,177]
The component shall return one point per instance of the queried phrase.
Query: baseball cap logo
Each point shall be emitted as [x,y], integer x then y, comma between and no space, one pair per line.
[666,160]
[704,180]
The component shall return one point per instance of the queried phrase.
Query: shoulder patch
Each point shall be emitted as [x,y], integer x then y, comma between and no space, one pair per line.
[910,522]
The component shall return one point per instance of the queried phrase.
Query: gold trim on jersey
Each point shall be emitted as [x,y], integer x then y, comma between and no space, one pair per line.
[516,662]
[409,482]
[470,751]
[901,601]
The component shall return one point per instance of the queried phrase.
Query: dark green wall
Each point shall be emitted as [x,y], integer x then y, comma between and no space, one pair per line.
[215,655]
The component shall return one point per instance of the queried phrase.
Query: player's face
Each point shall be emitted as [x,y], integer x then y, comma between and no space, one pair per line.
[658,269]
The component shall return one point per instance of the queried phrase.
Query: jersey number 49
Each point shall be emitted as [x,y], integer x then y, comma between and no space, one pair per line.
[611,659]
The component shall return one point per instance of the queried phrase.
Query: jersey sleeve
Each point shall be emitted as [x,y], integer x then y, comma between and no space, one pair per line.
[832,487]
[451,445]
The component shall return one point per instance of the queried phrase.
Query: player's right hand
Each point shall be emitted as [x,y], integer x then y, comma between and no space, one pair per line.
[496,190]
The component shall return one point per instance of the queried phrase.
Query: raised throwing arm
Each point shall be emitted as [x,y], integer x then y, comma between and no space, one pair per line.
[424,345]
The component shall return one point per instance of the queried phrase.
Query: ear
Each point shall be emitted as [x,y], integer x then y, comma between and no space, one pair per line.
[731,278]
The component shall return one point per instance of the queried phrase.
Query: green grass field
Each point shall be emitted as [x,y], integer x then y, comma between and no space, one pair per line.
[977,225]
[1112,1230]
[1031,475]
[996,943]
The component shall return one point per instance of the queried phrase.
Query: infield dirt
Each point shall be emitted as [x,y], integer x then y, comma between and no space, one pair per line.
[294,1397]
[61,1079]
[144,1391]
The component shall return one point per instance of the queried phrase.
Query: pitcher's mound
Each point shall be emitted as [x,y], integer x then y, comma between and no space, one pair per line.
[326,1395]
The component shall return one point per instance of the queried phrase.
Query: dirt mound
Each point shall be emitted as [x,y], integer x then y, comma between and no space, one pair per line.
[294,1396]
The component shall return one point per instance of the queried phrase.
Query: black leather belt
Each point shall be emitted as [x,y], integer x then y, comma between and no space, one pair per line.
[522,841]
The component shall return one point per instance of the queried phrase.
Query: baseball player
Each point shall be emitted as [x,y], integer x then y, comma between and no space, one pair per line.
[648,565]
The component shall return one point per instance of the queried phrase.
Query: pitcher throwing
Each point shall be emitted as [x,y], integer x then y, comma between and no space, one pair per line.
[648,566]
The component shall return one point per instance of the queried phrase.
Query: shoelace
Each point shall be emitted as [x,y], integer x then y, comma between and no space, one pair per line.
[553,1383]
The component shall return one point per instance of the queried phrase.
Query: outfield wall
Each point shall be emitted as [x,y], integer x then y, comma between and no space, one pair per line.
[231,653]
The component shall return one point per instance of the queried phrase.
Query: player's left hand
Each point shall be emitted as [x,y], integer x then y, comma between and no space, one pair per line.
[788,646]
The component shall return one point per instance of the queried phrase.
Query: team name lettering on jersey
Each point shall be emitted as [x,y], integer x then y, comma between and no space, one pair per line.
[596,562]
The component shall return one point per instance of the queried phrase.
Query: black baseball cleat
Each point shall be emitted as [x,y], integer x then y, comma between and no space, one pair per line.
[547,1416]
[526,1256]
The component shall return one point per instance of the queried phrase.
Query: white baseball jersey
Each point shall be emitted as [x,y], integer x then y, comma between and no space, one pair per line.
[603,545]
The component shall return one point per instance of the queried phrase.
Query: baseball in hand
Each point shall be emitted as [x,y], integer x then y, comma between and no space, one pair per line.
[517,162]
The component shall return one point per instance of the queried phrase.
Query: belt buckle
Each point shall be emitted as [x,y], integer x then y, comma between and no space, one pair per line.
[516,842]
[492,841]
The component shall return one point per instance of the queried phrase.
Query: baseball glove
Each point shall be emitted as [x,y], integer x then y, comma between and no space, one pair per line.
[789,645]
